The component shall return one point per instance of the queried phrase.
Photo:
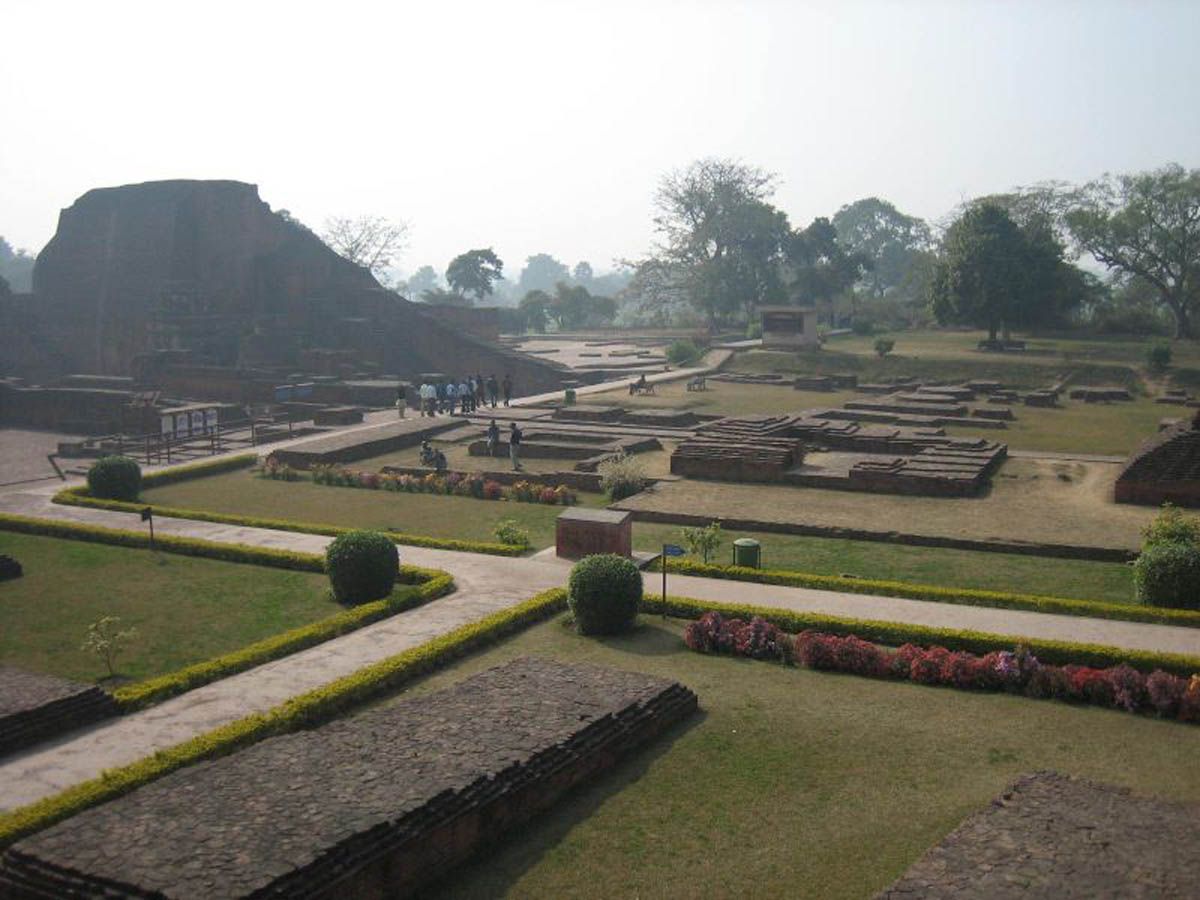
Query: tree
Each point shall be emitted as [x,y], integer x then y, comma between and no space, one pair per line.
[583,274]
[721,243]
[1147,226]
[820,267]
[979,279]
[541,273]
[473,272]
[367,241]
[891,242]
[535,308]
[424,279]
[16,267]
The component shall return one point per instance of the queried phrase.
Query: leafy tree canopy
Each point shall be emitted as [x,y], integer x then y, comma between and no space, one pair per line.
[1146,226]
[542,271]
[889,241]
[473,272]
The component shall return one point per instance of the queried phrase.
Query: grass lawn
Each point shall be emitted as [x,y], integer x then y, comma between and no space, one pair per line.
[458,459]
[243,493]
[185,610]
[796,783]
[725,398]
[1111,582]
[1031,500]
[1091,428]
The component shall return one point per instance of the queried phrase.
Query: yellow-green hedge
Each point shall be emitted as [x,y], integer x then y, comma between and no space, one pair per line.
[316,706]
[154,690]
[123,537]
[418,587]
[198,470]
[965,596]
[897,633]
[79,496]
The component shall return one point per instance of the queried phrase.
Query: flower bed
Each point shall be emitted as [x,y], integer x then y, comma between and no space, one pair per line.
[1016,672]
[458,484]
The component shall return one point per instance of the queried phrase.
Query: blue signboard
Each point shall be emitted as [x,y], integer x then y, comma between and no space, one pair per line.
[673,550]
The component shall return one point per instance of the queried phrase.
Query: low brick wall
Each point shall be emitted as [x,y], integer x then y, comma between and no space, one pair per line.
[1184,493]
[1059,551]
[583,532]
[370,806]
[35,707]
[354,445]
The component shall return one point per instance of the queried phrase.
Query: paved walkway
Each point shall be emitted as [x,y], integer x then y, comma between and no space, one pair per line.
[486,584]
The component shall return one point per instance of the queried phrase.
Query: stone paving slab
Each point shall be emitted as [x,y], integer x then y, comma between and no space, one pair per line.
[1050,836]
[371,805]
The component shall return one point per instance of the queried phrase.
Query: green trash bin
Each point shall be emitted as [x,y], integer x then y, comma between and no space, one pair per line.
[747,552]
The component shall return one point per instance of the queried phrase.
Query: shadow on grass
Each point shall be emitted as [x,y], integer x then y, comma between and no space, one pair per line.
[498,865]
[651,636]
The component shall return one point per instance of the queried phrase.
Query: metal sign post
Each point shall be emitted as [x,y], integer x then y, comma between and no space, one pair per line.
[667,551]
[148,516]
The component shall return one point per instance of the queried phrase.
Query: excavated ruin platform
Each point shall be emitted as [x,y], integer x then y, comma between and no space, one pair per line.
[362,443]
[374,805]
[1053,836]
[34,707]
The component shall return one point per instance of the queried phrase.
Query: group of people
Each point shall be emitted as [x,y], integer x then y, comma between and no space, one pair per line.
[435,458]
[466,394]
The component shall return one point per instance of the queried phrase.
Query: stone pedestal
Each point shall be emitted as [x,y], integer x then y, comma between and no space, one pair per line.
[582,532]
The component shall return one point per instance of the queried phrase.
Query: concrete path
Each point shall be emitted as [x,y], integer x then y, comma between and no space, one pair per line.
[486,584]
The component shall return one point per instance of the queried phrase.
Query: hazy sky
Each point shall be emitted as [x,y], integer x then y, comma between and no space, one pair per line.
[534,126]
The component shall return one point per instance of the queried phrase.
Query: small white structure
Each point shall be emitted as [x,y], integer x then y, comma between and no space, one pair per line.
[789,328]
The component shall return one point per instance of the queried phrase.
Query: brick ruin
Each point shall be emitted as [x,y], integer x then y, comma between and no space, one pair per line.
[369,806]
[34,707]
[198,288]
[877,458]
[1164,469]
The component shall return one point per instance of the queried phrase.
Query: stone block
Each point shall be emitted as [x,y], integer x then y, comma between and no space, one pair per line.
[583,532]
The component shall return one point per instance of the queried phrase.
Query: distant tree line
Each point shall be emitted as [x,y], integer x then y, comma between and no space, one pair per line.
[1003,261]
[16,269]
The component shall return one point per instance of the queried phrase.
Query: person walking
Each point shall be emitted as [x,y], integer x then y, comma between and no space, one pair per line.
[493,438]
[465,394]
[401,403]
[428,399]
[514,446]
[479,389]
[451,396]
[493,390]
[507,386]
[471,391]
[440,387]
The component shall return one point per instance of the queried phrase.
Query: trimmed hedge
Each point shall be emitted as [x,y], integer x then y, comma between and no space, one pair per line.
[362,566]
[1167,574]
[897,633]
[304,711]
[79,496]
[198,470]
[154,690]
[604,592]
[115,478]
[1064,606]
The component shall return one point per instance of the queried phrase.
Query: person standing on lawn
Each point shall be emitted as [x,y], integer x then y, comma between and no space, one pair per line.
[514,446]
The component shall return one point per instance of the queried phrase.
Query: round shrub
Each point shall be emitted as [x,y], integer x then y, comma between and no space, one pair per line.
[362,566]
[9,568]
[115,478]
[1168,574]
[604,593]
